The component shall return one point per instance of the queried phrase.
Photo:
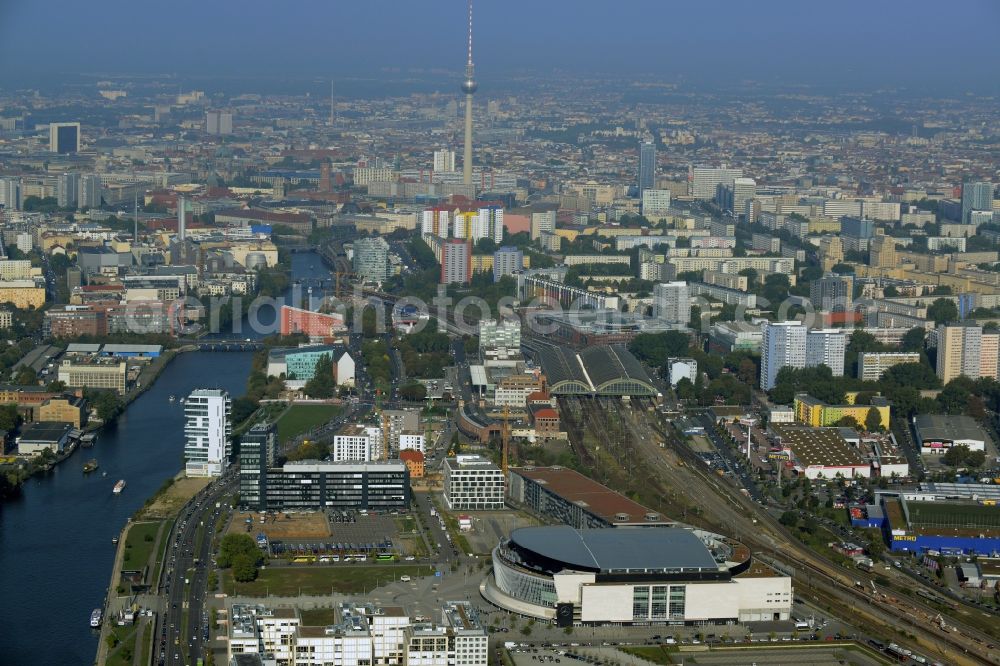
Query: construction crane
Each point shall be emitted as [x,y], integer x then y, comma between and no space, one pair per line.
[385,435]
[337,276]
[505,441]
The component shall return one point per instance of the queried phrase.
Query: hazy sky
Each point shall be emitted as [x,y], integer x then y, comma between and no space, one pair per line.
[872,42]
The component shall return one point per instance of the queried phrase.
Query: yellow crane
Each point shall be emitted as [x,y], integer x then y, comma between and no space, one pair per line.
[505,441]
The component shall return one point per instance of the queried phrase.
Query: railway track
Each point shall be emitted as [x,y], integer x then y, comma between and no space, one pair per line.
[967,645]
[758,529]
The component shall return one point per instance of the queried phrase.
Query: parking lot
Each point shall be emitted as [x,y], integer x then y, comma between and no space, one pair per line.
[351,535]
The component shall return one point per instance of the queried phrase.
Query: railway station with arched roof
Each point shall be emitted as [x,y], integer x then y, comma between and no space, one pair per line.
[597,371]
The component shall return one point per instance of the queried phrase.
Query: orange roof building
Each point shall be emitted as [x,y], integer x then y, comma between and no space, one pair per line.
[414,462]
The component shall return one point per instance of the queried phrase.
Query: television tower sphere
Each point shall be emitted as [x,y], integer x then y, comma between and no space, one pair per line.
[469,86]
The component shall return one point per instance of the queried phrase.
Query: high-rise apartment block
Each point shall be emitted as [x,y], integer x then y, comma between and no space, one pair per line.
[882,252]
[499,335]
[655,203]
[832,293]
[705,181]
[872,365]
[965,349]
[507,261]
[976,196]
[90,194]
[68,190]
[783,344]
[208,428]
[827,347]
[542,220]
[357,443]
[444,161]
[456,261]
[672,302]
[10,193]
[219,122]
[789,344]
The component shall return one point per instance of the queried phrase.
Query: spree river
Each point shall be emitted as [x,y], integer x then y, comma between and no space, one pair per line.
[55,539]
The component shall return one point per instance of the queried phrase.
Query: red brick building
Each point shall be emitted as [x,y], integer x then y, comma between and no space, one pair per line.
[546,422]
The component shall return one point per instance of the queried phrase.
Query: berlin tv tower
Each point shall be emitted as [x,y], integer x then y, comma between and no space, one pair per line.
[469,86]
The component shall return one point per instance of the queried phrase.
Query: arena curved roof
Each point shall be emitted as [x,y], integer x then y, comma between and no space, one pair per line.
[617,550]
[598,370]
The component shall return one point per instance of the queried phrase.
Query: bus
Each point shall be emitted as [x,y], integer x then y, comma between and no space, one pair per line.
[384,557]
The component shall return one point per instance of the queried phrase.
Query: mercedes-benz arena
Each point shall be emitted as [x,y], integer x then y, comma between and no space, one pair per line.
[633,575]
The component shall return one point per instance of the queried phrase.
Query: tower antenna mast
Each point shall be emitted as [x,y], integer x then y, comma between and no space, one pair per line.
[469,87]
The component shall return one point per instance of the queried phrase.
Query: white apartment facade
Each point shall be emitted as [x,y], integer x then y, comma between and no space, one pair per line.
[208,430]
[357,443]
[672,302]
[782,344]
[827,347]
[412,441]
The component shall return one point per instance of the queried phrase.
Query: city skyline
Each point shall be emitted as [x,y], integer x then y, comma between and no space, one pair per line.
[335,341]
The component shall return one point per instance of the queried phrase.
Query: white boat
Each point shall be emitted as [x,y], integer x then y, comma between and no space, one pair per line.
[119,487]
[95,618]
[171,398]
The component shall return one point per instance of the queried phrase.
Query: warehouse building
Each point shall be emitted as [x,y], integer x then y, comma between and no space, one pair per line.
[820,453]
[569,497]
[936,433]
[633,575]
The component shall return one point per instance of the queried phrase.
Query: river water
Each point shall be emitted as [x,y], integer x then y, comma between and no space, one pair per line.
[55,539]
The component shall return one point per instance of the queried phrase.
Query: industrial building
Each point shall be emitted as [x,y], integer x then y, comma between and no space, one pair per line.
[569,497]
[633,575]
[43,436]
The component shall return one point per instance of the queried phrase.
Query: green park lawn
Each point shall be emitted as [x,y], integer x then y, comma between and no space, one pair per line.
[301,418]
[311,580]
[138,547]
